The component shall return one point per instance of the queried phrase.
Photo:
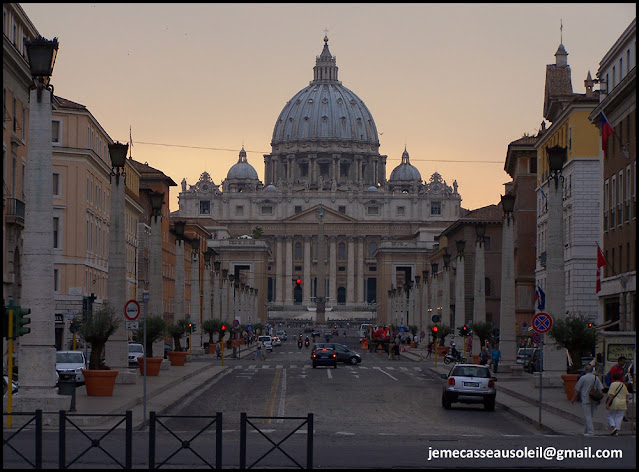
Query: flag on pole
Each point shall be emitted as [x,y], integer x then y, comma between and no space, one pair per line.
[540,298]
[601,262]
[606,132]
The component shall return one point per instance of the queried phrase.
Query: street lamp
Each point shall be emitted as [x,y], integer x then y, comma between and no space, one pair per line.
[446,260]
[434,266]
[157,200]
[461,245]
[556,158]
[216,265]
[117,152]
[207,256]
[41,53]
[179,229]
[508,204]
[480,231]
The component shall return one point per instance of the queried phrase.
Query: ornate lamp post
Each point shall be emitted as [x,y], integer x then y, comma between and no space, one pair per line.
[37,349]
[116,349]
[179,271]
[555,360]
[479,298]
[195,315]
[446,289]
[507,320]
[156,295]
[460,295]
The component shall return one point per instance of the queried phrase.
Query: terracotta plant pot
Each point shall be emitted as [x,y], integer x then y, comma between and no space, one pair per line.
[152,365]
[99,382]
[212,348]
[569,384]
[476,359]
[177,357]
[442,351]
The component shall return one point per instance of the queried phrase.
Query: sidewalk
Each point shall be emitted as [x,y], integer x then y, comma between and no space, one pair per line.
[162,392]
[518,394]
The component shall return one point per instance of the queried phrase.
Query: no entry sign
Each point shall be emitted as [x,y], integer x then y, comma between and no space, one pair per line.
[542,322]
[131,310]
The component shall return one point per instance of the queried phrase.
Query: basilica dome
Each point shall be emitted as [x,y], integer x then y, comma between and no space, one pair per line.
[242,170]
[405,171]
[325,110]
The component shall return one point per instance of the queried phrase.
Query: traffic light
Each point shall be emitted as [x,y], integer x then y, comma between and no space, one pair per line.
[590,325]
[73,327]
[21,321]
[223,328]
[463,331]
[434,330]
[298,283]
[190,327]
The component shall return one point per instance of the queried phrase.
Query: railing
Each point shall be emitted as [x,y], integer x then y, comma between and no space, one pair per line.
[37,416]
[15,208]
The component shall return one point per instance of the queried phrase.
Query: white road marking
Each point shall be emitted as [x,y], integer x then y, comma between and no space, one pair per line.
[266,366]
[386,434]
[293,366]
[237,367]
[328,371]
[384,372]
[344,433]
[403,368]
[280,411]
[279,366]
[390,368]
[252,367]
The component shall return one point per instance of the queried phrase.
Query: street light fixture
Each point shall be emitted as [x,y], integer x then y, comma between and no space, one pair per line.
[157,200]
[425,275]
[461,245]
[117,152]
[434,266]
[216,265]
[480,230]
[195,244]
[508,203]
[556,158]
[41,53]
[179,229]
[446,260]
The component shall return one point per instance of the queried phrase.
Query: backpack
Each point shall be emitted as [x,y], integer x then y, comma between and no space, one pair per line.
[607,380]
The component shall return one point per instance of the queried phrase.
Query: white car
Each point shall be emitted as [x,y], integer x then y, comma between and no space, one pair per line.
[268,342]
[135,350]
[281,335]
[276,341]
[70,362]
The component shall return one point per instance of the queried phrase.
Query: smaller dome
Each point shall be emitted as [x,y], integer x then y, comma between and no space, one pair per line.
[270,188]
[405,171]
[372,188]
[242,170]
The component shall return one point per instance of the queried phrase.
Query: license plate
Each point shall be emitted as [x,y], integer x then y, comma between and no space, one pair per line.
[471,384]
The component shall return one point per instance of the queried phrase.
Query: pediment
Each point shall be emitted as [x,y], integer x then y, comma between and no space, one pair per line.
[310,216]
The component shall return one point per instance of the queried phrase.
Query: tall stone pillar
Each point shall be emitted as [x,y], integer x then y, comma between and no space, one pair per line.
[224,299]
[424,304]
[37,349]
[179,305]
[360,271]
[507,335]
[479,291]
[156,292]
[206,294]
[332,282]
[350,272]
[279,269]
[117,347]
[288,285]
[195,288]
[306,286]
[217,296]
[460,294]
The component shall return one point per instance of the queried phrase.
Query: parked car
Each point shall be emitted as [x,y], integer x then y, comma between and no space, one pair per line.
[281,335]
[70,362]
[469,383]
[135,350]
[344,354]
[268,342]
[324,356]
[523,355]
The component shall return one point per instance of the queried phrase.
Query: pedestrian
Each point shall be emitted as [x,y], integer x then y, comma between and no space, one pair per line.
[616,403]
[483,356]
[617,368]
[218,349]
[391,350]
[495,356]
[263,350]
[396,348]
[258,351]
[430,350]
[587,382]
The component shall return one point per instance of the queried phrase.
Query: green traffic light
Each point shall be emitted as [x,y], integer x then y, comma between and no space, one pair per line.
[20,321]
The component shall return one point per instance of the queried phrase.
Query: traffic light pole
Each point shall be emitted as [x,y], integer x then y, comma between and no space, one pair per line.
[10,366]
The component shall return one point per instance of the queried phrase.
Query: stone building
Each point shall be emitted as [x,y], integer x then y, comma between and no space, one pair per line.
[324,180]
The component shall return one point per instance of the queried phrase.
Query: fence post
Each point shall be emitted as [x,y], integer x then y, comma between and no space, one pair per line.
[152,440]
[242,440]
[62,442]
[38,441]
[129,440]
[309,442]
[218,440]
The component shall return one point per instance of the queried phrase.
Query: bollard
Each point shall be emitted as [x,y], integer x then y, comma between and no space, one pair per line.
[66,386]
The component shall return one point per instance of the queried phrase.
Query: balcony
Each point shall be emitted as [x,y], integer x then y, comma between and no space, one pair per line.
[14,212]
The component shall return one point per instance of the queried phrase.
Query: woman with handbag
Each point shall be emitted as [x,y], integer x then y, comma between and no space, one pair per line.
[616,403]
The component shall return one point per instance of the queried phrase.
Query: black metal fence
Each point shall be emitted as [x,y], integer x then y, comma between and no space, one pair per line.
[37,417]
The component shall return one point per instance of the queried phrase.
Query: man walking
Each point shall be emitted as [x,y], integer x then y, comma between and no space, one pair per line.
[495,356]
[586,383]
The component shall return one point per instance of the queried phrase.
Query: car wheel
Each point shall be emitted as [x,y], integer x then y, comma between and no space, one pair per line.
[490,404]
[335,366]
[314,366]
[446,402]
[353,360]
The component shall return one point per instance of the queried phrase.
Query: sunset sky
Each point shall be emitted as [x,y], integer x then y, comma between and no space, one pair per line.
[455,83]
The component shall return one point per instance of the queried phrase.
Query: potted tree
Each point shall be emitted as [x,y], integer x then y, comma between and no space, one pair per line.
[96,328]
[211,327]
[177,331]
[576,336]
[155,329]
[484,331]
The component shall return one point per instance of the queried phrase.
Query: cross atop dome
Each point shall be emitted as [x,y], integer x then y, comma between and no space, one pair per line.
[325,70]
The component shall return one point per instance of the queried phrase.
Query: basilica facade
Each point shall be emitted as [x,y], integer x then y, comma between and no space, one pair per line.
[326,222]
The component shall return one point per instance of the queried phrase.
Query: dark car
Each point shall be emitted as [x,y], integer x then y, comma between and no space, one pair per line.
[344,354]
[167,348]
[324,356]
[469,383]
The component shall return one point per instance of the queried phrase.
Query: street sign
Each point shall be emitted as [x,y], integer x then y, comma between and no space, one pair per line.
[236,323]
[249,327]
[131,325]
[145,296]
[536,338]
[541,322]
[131,310]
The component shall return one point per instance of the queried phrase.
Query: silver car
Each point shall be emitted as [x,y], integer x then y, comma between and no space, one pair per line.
[469,383]
[70,362]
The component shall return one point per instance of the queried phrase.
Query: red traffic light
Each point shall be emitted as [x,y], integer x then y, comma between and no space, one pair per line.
[223,327]
[298,281]
[434,328]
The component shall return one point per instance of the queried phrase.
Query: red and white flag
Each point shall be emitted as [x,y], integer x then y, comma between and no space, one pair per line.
[601,262]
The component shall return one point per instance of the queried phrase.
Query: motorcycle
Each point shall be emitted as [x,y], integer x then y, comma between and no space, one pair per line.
[299,344]
[457,358]
[5,385]
[306,343]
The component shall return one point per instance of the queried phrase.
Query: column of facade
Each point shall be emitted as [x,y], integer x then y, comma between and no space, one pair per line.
[360,271]
[350,272]
[224,299]
[216,296]
[194,312]
[279,269]
[179,281]
[507,335]
[288,285]
[460,295]
[446,295]
[306,286]
[479,293]
[156,301]
[206,293]
[332,283]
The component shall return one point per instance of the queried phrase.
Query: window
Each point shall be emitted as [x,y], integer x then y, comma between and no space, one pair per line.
[533,165]
[373,210]
[205,207]
[401,211]
[55,131]
[56,184]
[56,229]
[298,250]
[239,210]
[56,283]
[24,123]
[298,209]
[372,247]
[614,76]
[570,138]
[487,243]
[620,68]
[341,251]
[14,117]
[267,210]
[436,208]
[342,209]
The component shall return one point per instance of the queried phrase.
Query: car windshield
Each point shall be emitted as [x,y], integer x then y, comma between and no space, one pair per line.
[135,348]
[69,358]
[525,351]
[470,371]
[264,338]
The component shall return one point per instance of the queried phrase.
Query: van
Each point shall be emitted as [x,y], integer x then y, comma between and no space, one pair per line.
[611,345]
[268,342]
